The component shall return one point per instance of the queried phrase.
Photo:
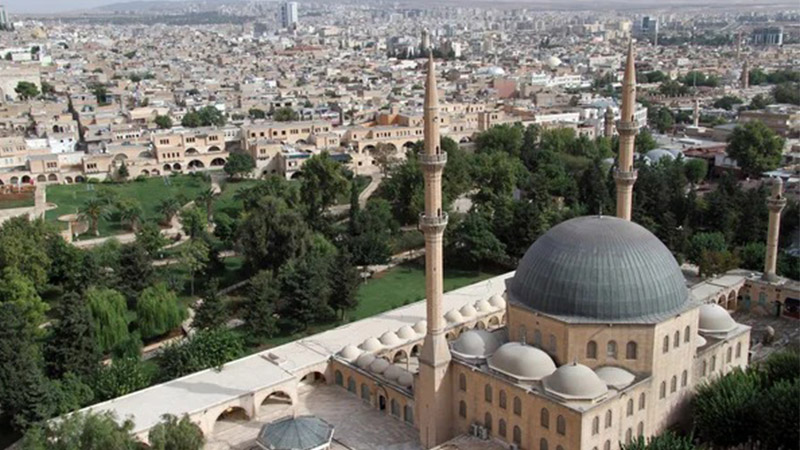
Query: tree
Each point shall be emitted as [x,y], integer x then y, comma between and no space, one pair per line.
[168,207]
[86,431]
[373,229]
[150,237]
[322,182]
[728,102]
[176,434]
[211,313]
[593,189]
[403,187]
[701,242]
[130,212]
[666,441]
[71,268]
[755,147]
[787,93]
[47,88]
[134,271]
[473,241]
[71,346]
[163,122]
[304,287]
[202,350]
[780,366]
[271,234]
[505,138]
[778,415]
[206,116]
[495,175]
[157,311]
[18,290]
[344,284]
[672,88]
[121,377]
[724,410]
[194,255]
[26,90]
[239,164]
[23,246]
[109,317]
[644,142]
[759,101]
[92,210]
[385,155]
[100,93]
[206,199]
[194,221]
[262,302]
[752,255]
[122,172]
[716,262]
[662,119]
[256,113]
[696,170]
[285,114]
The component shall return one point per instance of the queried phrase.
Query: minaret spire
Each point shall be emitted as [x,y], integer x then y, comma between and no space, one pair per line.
[776,202]
[627,127]
[433,385]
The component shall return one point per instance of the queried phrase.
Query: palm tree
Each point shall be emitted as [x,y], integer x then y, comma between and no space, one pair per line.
[206,198]
[92,210]
[130,212]
[168,208]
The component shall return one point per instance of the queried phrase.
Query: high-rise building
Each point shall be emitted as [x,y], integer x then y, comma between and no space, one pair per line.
[289,15]
[767,36]
[5,24]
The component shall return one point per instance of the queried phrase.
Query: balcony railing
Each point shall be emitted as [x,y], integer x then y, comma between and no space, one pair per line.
[628,125]
[438,159]
[439,221]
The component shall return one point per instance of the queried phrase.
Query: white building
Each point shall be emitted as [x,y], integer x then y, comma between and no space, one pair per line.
[289,15]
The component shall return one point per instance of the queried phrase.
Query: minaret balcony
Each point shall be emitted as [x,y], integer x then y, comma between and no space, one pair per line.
[436,159]
[628,126]
[626,177]
[776,205]
[435,223]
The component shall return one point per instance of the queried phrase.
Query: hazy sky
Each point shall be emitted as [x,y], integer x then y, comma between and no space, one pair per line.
[45,6]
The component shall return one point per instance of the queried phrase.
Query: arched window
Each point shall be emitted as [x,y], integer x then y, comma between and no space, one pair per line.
[552,343]
[561,425]
[676,341]
[663,391]
[523,334]
[395,408]
[687,333]
[462,409]
[502,399]
[351,385]
[684,378]
[558,447]
[408,414]
[714,363]
[611,349]
[537,338]
[517,406]
[607,445]
[705,368]
[487,421]
[630,407]
[544,420]
[665,348]
[517,435]
[673,384]
[640,429]
[591,350]
[595,425]
[365,395]
[339,378]
[729,355]
[641,401]
[487,393]
[542,444]
[501,428]
[609,419]
[628,435]
[630,350]
[462,382]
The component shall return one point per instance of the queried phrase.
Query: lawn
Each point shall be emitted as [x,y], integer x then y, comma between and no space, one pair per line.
[226,203]
[16,201]
[149,193]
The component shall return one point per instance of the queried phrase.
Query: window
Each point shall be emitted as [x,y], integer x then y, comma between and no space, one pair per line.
[641,401]
[351,385]
[517,406]
[705,368]
[714,363]
[542,444]
[665,348]
[630,350]
[487,422]
[537,338]
[640,429]
[365,392]
[517,435]
[611,349]
[729,355]
[684,378]
[487,393]
[408,414]
[545,418]
[630,407]
[687,333]
[339,378]
[523,334]
[738,349]
[609,419]
[663,391]
[628,435]
[607,445]
[462,382]
[462,409]
[673,384]
[676,341]
[501,428]
[591,350]
[561,425]
[595,425]
[395,408]
[502,399]
[558,447]
[552,343]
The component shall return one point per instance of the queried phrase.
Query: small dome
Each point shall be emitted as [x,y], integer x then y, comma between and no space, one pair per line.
[406,332]
[453,316]
[476,344]
[483,305]
[371,345]
[575,382]
[421,327]
[365,360]
[405,379]
[700,341]
[497,301]
[393,372]
[390,339]
[350,352]
[379,365]
[553,61]
[615,377]
[714,319]
[521,361]
[468,311]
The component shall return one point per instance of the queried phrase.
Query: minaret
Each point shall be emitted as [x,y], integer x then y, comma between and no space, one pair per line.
[746,75]
[425,44]
[608,123]
[696,115]
[776,202]
[433,389]
[627,127]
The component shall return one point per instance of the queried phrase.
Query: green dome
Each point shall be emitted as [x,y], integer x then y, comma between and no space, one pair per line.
[599,269]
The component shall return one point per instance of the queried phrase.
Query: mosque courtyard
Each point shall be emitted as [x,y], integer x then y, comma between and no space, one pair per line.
[357,426]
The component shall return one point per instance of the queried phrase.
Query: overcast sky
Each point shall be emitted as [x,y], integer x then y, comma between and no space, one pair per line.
[45,6]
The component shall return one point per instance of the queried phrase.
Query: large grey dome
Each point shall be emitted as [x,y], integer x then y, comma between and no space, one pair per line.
[599,268]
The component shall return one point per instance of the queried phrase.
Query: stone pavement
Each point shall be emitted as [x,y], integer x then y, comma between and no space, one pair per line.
[357,425]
